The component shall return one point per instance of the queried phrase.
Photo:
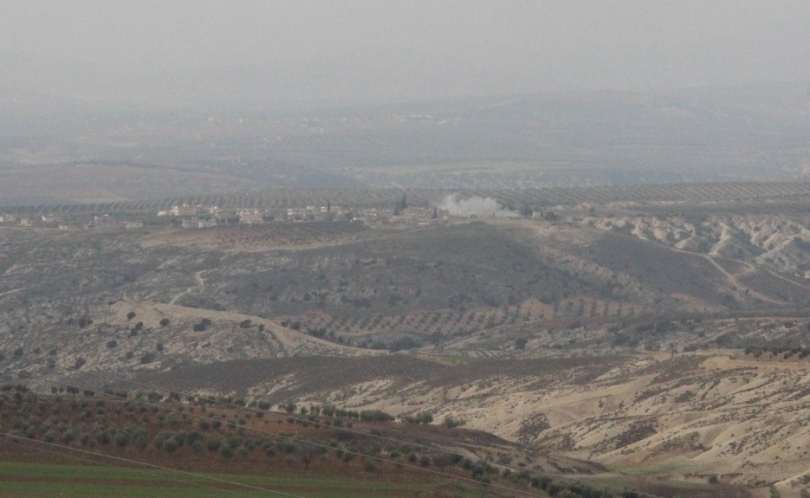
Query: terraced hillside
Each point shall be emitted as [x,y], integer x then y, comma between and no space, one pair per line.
[699,418]
[658,342]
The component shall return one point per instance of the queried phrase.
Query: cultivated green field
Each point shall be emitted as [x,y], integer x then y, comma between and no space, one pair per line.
[34,480]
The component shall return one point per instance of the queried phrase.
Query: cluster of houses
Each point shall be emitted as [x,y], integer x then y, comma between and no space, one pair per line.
[45,221]
[194,216]
[197,216]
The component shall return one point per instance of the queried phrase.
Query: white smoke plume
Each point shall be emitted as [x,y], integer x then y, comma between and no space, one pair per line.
[482,207]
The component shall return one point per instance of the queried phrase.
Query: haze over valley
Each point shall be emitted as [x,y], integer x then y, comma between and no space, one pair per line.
[427,249]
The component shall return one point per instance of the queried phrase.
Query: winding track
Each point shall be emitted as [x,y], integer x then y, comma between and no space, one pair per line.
[200,284]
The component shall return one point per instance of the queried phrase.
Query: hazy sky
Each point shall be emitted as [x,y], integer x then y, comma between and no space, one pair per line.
[467,46]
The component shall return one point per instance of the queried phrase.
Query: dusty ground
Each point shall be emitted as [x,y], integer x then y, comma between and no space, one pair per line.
[682,417]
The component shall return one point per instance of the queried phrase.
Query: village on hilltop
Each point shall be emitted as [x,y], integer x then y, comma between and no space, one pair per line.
[198,216]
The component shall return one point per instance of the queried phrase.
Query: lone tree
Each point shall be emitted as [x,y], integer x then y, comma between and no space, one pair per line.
[307,455]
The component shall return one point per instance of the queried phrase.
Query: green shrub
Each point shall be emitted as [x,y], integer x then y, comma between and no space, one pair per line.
[68,436]
[451,423]
[121,438]
[213,442]
[422,418]
[376,416]
[171,444]
[225,451]
[141,439]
